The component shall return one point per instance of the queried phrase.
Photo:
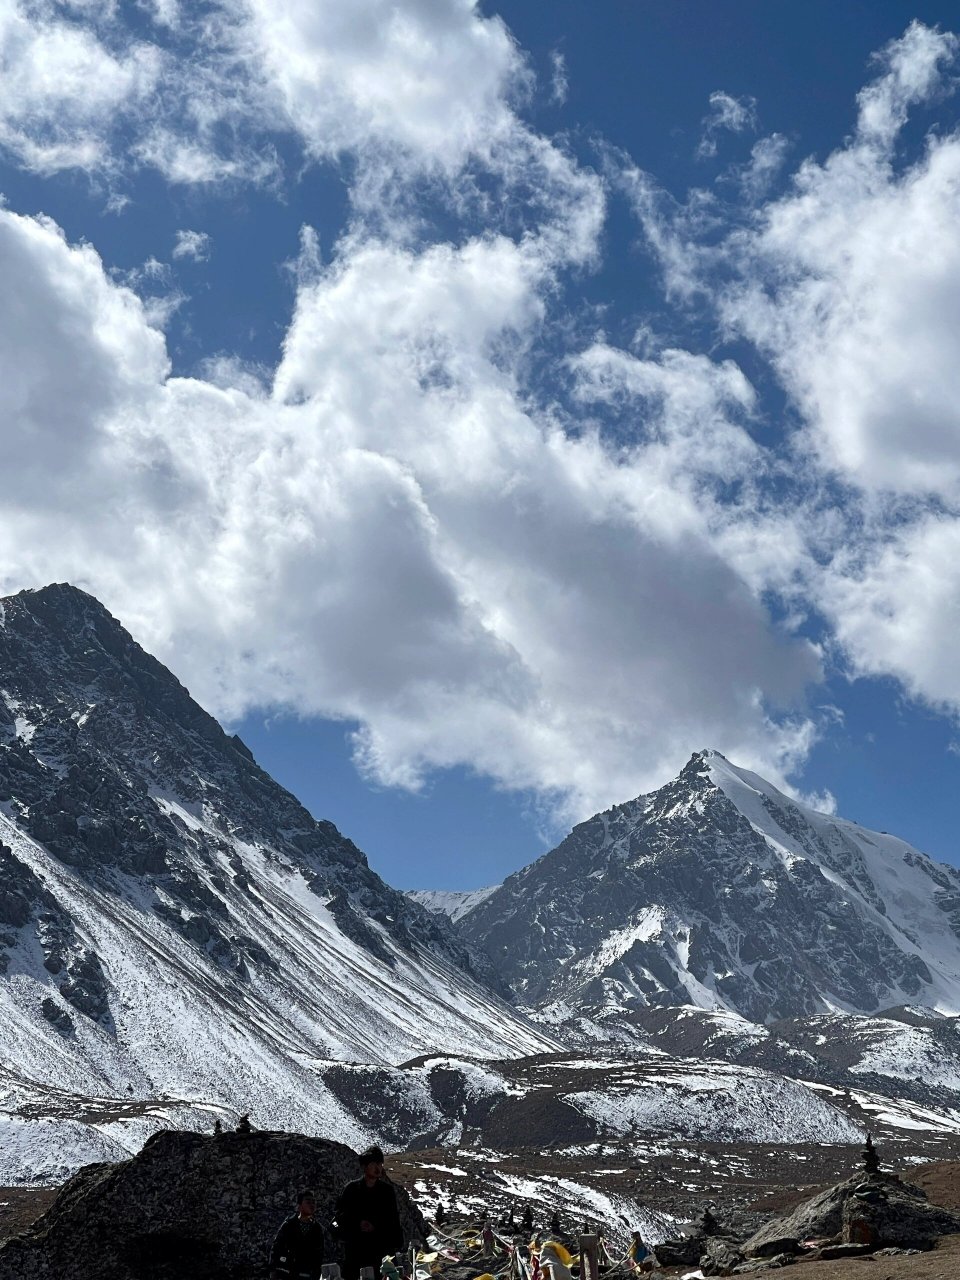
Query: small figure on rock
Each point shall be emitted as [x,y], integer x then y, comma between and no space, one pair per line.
[217,1127]
[526,1219]
[440,1216]
[367,1219]
[871,1161]
[489,1240]
[709,1223]
[244,1125]
[638,1255]
[555,1227]
[298,1248]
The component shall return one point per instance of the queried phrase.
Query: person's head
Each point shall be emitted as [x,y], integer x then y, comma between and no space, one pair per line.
[371,1162]
[306,1204]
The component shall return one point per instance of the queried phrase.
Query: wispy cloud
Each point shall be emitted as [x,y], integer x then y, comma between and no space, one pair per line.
[727,113]
[192,244]
[559,81]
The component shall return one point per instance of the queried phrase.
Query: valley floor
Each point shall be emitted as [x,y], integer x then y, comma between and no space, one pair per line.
[761,1181]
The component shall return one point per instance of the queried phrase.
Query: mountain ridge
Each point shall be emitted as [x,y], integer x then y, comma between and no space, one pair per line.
[179,937]
[719,891]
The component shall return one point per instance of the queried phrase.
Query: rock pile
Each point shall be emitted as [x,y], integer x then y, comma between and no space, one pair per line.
[870,1213]
[188,1207]
[860,1215]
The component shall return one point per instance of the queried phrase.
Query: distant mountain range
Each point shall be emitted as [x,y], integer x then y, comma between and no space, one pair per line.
[180,941]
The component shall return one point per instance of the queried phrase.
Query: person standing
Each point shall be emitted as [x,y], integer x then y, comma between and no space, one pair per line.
[298,1248]
[367,1218]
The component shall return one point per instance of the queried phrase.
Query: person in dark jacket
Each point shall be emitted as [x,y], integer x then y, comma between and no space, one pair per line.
[367,1218]
[298,1249]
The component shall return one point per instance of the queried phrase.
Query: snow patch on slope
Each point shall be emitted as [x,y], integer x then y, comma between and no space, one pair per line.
[716,1103]
[454,903]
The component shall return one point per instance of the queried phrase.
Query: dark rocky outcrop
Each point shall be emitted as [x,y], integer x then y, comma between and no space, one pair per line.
[720,1256]
[680,1251]
[876,1212]
[188,1207]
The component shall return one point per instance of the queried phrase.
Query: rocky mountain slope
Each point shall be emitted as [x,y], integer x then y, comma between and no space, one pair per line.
[718,891]
[179,938]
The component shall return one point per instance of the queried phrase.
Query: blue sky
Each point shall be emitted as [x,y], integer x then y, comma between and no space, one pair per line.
[481,409]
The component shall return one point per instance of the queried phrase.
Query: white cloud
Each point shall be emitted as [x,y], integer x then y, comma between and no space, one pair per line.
[427,83]
[767,158]
[391,534]
[736,115]
[912,72]
[686,407]
[61,87]
[560,81]
[849,284]
[431,77]
[385,528]
[192,244]
[165,13]
[853,288]
[895,606]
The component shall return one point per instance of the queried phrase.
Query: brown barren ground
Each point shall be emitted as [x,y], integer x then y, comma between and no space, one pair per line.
[19,1206]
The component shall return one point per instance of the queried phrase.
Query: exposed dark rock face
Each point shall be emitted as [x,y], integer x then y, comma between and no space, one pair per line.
[25,903]
[188,1207]
[718,888]
[105,728]
[680,1251]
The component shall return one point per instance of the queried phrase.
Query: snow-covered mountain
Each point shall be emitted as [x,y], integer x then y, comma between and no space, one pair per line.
[718,891]
[453,903]
[178,935]
[181,941]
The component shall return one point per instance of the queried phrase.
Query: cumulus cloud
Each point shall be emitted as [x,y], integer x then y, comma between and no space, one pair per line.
[391,534]
[848,283]
[434,79]
[389,527]
[427,85]
[894,602]
[852,282]
[62,86]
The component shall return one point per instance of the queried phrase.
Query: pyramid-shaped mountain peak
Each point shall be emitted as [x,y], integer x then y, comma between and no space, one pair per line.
[719,891]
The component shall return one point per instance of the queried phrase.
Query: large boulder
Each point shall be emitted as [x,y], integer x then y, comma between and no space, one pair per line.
[681,1251]
[877,1210]
[720,1257]
[893,1214]
[188,1207]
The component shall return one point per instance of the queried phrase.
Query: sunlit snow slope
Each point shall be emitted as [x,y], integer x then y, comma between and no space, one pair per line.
[718,891]
[176,931]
